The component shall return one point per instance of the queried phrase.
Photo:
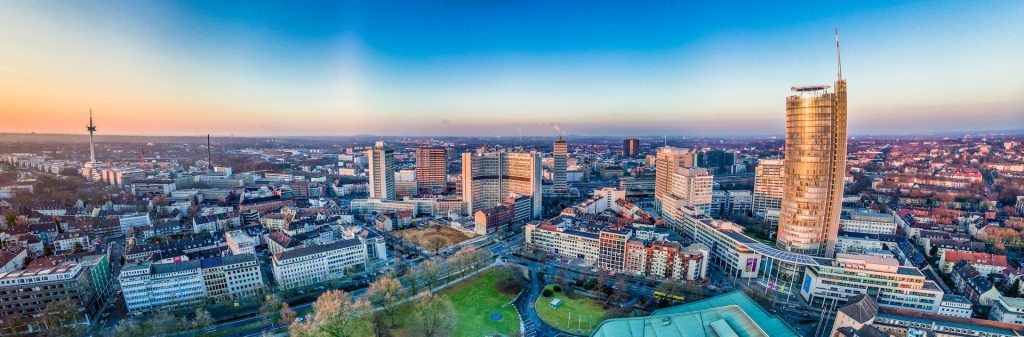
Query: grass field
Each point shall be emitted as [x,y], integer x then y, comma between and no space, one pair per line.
[574,315]
[474,301]
[426,237]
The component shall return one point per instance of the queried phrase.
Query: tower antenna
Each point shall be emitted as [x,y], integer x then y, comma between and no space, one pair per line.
[839,60]
[92,147]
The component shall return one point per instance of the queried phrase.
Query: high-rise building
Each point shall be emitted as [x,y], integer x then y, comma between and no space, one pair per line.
[431,169]
[768,191]
[718,161]
[815,166]
[490,178]
[631,148]
[561,156]
[382,172]
[667,160]
[691,187]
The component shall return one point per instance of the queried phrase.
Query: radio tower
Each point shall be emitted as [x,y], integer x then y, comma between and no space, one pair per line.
[92,146]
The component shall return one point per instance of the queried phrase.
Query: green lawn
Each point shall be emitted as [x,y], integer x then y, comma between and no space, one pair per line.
[474,301]
[585,313]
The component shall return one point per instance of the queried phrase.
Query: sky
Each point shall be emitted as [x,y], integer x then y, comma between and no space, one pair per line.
[484,68]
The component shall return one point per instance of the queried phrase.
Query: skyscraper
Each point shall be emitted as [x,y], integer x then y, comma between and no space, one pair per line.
[631,148]
[431,169]
[667,160]
[561,156]
[768,191]
[815,166]
[382,172]
[490,178]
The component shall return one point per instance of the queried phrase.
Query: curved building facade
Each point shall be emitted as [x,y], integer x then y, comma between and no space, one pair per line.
[814,169]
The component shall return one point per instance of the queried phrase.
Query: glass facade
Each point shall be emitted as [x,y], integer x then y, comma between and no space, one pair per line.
[815,166]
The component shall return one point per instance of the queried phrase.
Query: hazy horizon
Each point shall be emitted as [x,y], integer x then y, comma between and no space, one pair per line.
[486,69]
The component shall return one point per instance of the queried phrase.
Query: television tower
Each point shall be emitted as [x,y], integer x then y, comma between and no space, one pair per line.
[92,146]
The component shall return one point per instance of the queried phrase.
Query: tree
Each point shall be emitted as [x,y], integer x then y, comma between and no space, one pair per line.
[933,251]
[621,290]
[385,293]
[287,314]
[202,320]
[161,323]
[271,304]
[129,328]
[430,272]
[436,243]
[60,317]
[433,316]
[10,219]
[78,248]
[335,314]
[15,325]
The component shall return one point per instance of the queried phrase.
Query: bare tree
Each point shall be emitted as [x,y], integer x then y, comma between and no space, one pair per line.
[129,328]
[385,293]
[271,304]
[436,243]
[433,316]
[60,317]
[335,314]
[430,272]
[287,314]
[202,320]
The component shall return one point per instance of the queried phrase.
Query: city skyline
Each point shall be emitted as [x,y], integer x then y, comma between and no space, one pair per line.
[350,69]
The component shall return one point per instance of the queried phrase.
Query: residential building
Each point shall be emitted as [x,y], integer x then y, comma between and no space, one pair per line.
[1008,310]
[985,263]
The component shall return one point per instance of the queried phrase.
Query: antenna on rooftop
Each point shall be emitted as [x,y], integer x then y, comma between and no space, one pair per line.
[838,57]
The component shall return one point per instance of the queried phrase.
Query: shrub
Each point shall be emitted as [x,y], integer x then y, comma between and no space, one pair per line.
[546,293]
[556,288]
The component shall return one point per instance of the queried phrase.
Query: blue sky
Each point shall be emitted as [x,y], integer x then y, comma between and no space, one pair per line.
[504,68]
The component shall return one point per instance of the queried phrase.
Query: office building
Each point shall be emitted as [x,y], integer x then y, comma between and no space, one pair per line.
[815,167]
[431,170]
[28,291]
[691,187]
[667,161]
[867,222]
[560,153]
[149,287]
[768,191]
[862,313]
[631,148]
[307,266]
[489,178]
[382,172]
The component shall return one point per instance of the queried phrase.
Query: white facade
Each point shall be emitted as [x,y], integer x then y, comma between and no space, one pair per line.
[382,172]
[148,287]
[240,243]
[311,265]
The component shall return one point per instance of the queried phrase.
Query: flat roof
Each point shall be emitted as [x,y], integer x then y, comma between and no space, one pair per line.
[730,314]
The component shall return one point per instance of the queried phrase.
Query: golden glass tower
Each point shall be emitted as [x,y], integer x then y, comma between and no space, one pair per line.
[815,166]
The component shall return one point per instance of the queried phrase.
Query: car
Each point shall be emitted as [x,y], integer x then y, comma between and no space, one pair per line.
[299,319]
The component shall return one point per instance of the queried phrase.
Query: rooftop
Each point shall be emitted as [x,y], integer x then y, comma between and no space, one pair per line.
[731,314]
